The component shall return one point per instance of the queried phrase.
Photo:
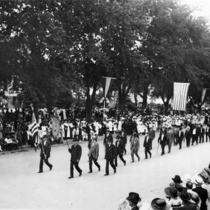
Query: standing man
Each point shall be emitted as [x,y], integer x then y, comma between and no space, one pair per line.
[170,137]
[135,146]
[119,145]
[163,140]
[93,154]
[201,136]
[110,156]
[180,137]
[151,134]
[124,140]
[147,145]
[45,153]
[76,153]
[207,132]
[188,136]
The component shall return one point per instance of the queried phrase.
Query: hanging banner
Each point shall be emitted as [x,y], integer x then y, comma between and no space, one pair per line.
[180,96]
[203,94]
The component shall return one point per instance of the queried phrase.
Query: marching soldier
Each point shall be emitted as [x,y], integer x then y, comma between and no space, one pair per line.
[76,153]
[45,153]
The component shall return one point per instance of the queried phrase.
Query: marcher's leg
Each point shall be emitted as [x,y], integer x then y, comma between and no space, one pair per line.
[122,159]
[90,164]
[107,167]
[112,165]
[71,169]
[41,164]
[47,163]
[96,163]
[78,168]
[132,156]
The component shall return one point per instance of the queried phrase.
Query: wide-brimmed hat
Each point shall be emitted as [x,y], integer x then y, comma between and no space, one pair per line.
[171,192]
[185,196]
[176,203]
[179,187]
[207,171]
[75,139]
[198,180]
[133,197]
[159,204]
[177,179]
[186,178]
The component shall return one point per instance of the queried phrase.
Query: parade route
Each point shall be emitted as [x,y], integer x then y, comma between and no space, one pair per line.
[23,188]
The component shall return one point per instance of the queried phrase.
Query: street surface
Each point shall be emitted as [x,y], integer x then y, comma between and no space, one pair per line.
[23,188]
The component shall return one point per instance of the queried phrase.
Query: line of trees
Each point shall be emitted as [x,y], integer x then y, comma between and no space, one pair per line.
[60,49]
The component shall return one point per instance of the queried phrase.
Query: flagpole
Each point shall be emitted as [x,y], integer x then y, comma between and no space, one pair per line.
[104,108]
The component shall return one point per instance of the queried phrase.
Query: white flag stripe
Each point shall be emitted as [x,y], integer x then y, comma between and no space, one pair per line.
[108,81]
[203,94]
[180,96]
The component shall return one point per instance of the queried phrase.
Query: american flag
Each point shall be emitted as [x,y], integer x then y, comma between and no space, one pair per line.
[33,130]
[180,96]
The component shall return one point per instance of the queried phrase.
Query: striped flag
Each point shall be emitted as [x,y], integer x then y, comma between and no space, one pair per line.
[203,94]
[33,130]
[180,96]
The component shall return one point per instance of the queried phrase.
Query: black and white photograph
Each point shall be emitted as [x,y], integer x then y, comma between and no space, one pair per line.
[105,104]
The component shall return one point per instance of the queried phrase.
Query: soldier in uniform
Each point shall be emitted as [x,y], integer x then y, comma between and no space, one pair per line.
[45,153]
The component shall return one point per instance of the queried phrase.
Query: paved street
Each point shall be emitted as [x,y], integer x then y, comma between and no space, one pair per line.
[23,188]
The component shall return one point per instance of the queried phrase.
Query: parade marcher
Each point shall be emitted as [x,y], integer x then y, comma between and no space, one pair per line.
[108,137]
[76,153]
[194,135]
[45,153]
[147,145]
[170,137]
[134,146]
[207,132]
[180,137]
[188,136]
[110,156]
[151,134]
[119,146]
[201,135]
[124,140]
[163,140]
[93,154]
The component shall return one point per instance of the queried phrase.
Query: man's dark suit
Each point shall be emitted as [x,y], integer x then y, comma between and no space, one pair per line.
[203,194]
[45,154]
[119,145]
[124,139]
[163,140]
[147,146]
[76,153]
[110,156]
[201,136]
[180,138]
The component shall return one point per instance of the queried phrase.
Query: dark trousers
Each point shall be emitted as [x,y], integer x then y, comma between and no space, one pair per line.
[124,149]
[121,158]
[112,165]
[134,153]
[201,138]
[180,143]
[91,160]
[76,165]
[194,139]
[147,151]
[188,141]
[43,160]
[163,149]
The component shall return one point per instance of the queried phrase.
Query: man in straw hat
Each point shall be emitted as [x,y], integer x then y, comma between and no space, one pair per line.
[202,193]
[76,153]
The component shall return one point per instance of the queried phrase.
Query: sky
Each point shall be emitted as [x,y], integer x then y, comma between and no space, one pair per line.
[203,7]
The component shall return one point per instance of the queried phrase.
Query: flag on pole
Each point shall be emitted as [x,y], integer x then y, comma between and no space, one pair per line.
[203,94]
[180,96]
[107,85]
[33,130]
